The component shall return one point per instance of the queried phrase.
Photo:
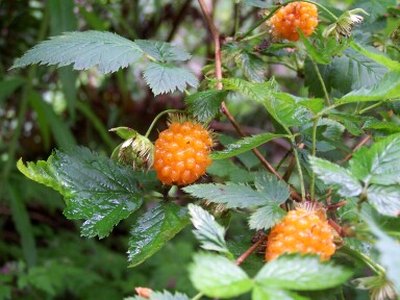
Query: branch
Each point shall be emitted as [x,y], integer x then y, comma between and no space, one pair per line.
[249,251]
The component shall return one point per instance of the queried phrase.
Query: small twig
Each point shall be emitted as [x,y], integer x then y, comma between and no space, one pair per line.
[337,205]
[249,251]
[336,226]
[358,146]
[321,80]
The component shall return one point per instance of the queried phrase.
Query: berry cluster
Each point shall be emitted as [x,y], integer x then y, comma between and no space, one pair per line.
[182,153]
[292,17]
[301,231]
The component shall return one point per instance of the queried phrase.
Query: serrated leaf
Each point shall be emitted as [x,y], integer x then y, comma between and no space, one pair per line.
[161,51]
[386,199]
[302,273]
[330,173]
[245,144]
[350,71]
[377,56]
[217,276]
[205,105]
[267,293]
[252,66]
[230,194]
[208,232]
[108,51]
[167,78]
[153,229]
[266,217]
[389,249]
[387,88]
[379,164]
[275,190]
[259,3]
[95,188]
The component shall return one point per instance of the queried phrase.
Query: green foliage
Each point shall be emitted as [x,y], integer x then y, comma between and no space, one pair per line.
[301,273]
[245,144]
[166,78]
[205,105]
[109,52]
[95,188]
[331,173]
[217,276]
[229,194]
[208,232]
[153,229]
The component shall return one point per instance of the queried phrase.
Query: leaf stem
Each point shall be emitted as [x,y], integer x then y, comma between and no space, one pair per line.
[377,268]
[313,152]
[249,251]
[296,156]
[370,107]
[172,110]
[321,80]
[198,296]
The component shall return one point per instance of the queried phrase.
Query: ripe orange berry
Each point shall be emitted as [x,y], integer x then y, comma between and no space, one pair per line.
[182,153]
[292,17]
[301,231]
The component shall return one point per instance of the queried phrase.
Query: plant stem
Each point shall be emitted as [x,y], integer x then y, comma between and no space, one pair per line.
[296,156]
[378,269]
[198,296]
[260,22]
[172,110]
[370,107]
[321,80]
[218,76]
[249,251]
[313,152]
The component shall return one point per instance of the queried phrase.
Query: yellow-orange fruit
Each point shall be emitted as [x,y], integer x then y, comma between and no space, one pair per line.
[295,16]
[301,231]
[182,153]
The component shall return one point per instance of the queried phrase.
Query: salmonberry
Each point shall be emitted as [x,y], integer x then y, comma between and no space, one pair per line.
[182,152]
[301,231]
[292,17]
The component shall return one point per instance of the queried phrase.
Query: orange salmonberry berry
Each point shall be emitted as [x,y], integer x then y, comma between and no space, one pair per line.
[182,153]
[301,231]
[292,17]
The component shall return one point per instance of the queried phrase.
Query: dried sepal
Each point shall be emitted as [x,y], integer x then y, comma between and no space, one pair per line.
[137,150]
[378,286]
[345,23]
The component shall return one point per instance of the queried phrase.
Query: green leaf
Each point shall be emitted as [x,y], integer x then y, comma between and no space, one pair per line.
[252,66]
[8,86]
[217,276]
[161,51]
[153,229]
[230,194]
[389,249]
[166,78]
[22,224]
[275,190]
[386,199]
[379,164]
[377,56]
[267,293]
[330,173]
[387,88]
[266,217]
[259,3]
[95,188]
[108,51]
[350,71]
[208,232]
[245,144]
[302,273]
[375,8]
[165,295]
[205,105]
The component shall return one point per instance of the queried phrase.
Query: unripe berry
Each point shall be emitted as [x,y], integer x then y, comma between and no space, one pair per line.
[301,231]
[182,153]
[295,16]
